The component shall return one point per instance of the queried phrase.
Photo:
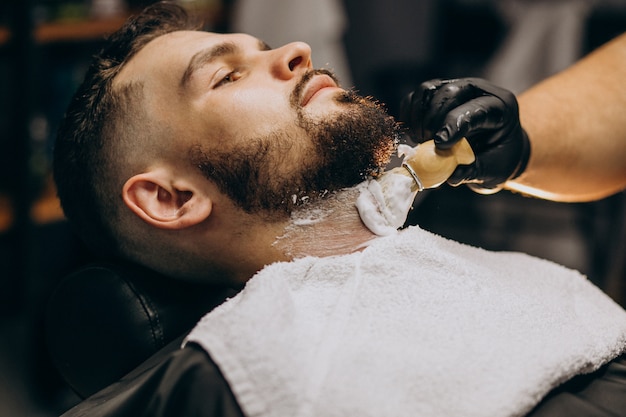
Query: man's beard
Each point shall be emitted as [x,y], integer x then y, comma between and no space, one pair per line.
[349,147]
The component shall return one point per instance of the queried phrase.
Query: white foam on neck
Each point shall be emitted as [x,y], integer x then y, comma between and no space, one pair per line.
[384,203]
[325,227]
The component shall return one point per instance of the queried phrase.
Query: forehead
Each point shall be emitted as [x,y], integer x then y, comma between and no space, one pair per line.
[169,55]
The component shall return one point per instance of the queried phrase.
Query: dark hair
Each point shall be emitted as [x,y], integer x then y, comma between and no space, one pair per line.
[98,120]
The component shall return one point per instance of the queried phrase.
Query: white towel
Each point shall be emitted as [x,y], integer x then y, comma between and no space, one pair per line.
[414,325]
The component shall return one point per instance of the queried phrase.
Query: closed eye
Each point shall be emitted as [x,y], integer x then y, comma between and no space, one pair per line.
[231,77]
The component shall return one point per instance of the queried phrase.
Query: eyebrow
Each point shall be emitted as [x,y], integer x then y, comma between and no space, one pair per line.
[209,55]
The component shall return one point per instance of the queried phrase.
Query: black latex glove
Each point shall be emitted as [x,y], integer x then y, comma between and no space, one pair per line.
[487,115]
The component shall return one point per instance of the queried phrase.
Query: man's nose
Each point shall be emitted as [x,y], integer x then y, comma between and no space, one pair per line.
[291,60]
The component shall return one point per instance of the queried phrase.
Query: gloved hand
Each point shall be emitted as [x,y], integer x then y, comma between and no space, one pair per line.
[487,115]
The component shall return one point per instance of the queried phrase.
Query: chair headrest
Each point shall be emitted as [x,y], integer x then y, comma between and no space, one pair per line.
[104,319]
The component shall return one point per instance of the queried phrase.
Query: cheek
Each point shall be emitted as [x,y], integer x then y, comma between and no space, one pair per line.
[255,112]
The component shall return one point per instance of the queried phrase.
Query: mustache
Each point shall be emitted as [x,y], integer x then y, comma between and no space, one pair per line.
[296,95]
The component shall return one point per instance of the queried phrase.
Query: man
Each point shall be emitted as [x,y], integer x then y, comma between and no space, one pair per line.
[208,157]
[283,135]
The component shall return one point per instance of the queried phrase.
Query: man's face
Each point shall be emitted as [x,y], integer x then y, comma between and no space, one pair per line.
[269,130]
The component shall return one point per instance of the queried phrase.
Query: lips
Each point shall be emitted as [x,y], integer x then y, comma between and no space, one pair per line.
[318,83]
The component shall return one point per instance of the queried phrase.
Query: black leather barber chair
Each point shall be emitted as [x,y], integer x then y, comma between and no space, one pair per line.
[105,319]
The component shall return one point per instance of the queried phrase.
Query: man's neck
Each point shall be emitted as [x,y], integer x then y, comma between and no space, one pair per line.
[330,226]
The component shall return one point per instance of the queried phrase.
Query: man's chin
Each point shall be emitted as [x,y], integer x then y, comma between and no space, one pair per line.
[327,105]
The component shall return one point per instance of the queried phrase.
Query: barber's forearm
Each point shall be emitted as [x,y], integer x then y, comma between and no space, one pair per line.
[576,122]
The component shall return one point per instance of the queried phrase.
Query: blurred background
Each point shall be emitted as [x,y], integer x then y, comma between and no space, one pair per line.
[383,48]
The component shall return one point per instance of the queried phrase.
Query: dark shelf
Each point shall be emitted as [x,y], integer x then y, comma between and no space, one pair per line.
[70,31]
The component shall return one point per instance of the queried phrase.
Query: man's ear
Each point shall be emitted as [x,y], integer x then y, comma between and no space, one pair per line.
[166,202]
